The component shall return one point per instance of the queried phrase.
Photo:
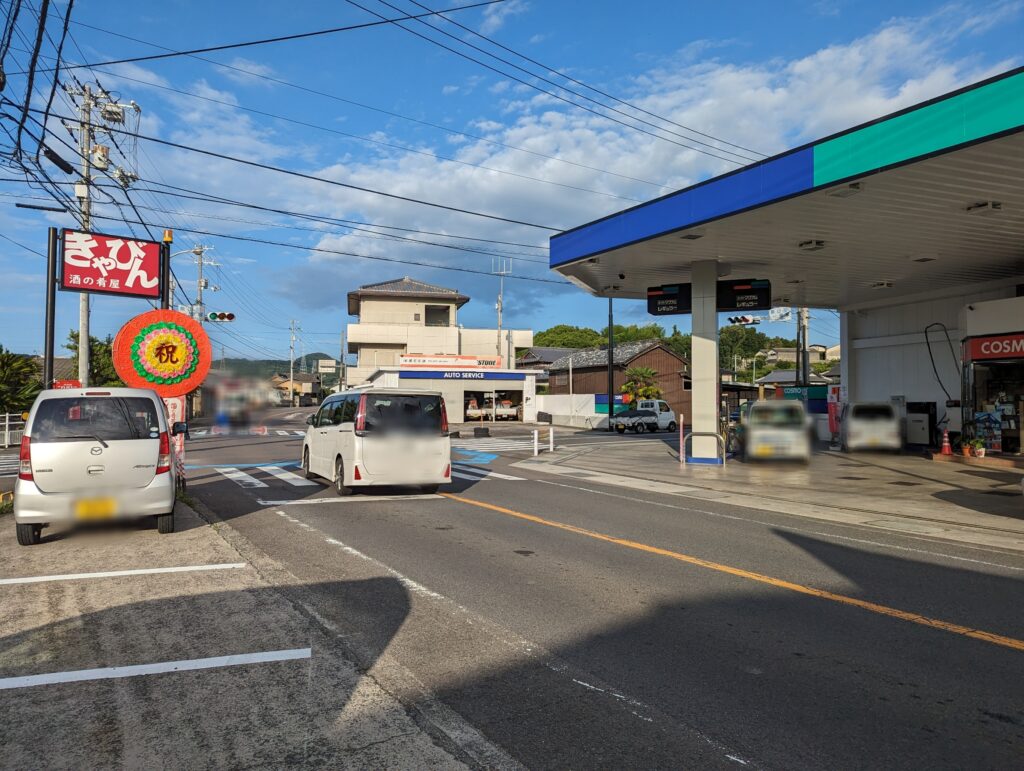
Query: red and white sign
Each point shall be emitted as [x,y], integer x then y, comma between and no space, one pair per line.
[67,383]
[996,347]
[446,361]
[94,262]
[176,414]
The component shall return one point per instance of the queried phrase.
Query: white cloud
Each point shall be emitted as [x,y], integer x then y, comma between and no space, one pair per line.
[496,15]
[252,71]
[449,90]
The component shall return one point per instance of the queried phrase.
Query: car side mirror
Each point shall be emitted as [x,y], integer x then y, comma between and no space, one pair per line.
[179,428]
[309,420]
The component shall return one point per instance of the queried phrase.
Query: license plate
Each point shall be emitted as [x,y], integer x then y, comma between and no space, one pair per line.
[95,508]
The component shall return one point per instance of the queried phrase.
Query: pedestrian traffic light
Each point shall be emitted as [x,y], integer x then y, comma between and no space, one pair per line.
[220,316]
[744,320]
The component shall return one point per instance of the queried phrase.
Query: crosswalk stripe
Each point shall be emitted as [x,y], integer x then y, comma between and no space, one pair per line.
[287,476]
[299,433]
[240,477]
[281,433]
[475,472]
[457,475]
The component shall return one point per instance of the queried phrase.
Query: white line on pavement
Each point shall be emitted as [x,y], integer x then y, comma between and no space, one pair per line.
[485,473]
[299,433]
[240,477]
[281,433]
[108,673]
[457,475]
[116,573]
[350,499]
[289,477]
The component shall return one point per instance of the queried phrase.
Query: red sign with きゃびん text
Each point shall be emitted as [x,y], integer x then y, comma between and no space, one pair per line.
[95,262]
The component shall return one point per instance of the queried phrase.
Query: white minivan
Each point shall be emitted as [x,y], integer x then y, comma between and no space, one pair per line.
[380,437]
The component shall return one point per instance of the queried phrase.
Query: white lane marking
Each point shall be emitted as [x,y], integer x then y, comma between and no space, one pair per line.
[135,670]
[299,433]
[240,477]
[289,477]
[457,475]
[116,573]
[352,499]
[485,472]
[794,529]
[281,433]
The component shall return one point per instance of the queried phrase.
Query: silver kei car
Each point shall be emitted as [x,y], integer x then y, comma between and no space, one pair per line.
[95,454]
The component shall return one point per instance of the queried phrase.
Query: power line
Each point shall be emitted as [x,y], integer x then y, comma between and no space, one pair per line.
[559,96]
[565,88]
[354,254]
[264,41]
[364,106]
[571,79]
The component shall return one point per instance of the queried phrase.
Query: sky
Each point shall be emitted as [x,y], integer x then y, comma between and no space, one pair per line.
[383,109]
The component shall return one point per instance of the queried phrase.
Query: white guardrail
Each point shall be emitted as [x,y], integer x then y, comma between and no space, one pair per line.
[11,429]
[536,441]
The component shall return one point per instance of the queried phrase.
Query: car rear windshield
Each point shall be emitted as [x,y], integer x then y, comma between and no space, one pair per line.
[783,416]
[873,412]
[85,418]
[403,413]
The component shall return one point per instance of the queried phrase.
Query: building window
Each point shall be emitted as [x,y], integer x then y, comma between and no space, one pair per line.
[438,316]
[560,379]
[415,317]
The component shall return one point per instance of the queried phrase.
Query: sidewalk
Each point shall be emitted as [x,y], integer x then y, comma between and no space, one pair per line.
[901,493]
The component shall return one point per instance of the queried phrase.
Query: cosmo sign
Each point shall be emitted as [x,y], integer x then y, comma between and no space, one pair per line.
[996,347]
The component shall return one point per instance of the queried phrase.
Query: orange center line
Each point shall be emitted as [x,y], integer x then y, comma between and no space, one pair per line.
[874,607]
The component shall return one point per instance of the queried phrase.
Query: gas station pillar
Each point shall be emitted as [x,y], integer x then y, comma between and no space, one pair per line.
[704,372]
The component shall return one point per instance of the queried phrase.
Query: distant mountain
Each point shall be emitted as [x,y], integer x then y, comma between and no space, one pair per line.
[265,368]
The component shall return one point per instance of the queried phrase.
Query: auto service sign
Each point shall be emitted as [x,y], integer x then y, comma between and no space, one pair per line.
[105,264]
[996,347]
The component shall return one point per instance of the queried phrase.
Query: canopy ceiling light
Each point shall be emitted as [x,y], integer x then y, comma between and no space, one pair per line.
[985,208]
[812,245]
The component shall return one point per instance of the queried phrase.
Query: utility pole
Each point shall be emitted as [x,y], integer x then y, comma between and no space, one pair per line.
[804,349]
[341,363]
[82,192]
[502,269]
[611,365]
[203,283]
[291,362]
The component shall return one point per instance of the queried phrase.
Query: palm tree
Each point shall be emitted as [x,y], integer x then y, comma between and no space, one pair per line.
[19,381]
[640,383]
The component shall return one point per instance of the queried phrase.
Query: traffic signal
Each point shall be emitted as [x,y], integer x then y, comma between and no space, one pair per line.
[220,316]
[744,320]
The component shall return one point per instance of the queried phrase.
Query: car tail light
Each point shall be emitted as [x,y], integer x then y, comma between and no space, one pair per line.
[361,414]
[444,418]
[355,473]
[163,463]
[448,471]
[25,459]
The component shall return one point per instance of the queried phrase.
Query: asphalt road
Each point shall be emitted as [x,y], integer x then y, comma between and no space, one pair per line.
[576,624]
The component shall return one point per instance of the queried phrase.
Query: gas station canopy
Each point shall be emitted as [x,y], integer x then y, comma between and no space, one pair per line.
[929,198]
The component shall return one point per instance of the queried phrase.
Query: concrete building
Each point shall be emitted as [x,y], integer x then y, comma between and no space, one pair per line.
[910,225]
[405,321]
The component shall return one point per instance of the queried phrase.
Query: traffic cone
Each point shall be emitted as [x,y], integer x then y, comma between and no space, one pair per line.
[946,449]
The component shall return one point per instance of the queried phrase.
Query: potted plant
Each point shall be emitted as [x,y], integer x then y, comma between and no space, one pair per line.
[979,448]
[964,445]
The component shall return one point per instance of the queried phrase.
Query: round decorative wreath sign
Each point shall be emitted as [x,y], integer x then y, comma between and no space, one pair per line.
[163,350]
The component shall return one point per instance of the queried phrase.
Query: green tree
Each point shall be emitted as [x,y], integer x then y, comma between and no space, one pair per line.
[19,381]
[680,343]
[568,336]
[641,383]
[736,343]
[633,332]
[101,360]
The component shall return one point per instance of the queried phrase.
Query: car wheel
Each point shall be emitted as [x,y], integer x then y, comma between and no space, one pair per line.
[165,523]
[29,535]
[638,428]
[339,479]
[304,471]
[430,489]
[672,426]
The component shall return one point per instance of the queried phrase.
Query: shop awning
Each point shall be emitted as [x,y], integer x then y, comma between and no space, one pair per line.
[926,199]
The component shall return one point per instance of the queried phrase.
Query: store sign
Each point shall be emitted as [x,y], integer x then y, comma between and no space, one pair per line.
[326,366]
[163,350]
[744,294]
[996,347]
[449,361]
[423,374]
[103,264]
